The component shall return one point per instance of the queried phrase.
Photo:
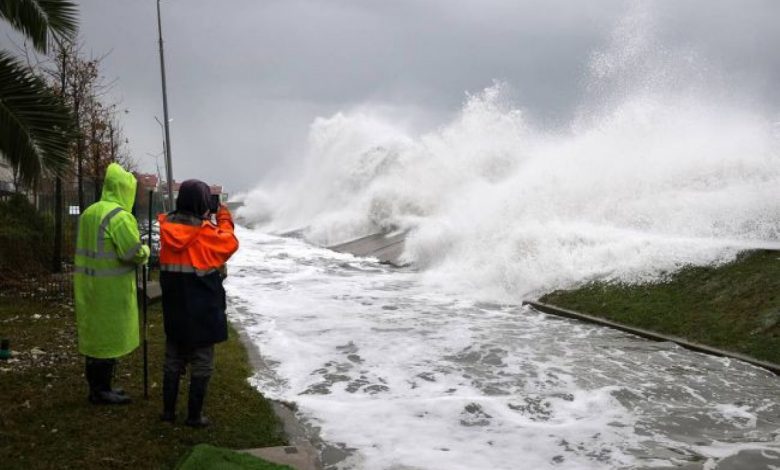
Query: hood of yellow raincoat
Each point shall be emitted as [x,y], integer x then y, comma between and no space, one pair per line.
[119,187]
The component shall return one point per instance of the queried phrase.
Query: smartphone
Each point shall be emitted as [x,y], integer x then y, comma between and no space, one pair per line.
[214,203]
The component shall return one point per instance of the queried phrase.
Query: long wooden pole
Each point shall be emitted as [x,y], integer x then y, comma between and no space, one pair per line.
[168,164]
[146,298]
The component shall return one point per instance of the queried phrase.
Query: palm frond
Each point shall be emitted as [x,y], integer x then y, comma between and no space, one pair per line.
[35,124]
[41,20]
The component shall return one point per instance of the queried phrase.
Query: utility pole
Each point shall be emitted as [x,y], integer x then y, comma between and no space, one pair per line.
[168,165]
[57,255]
[157,162]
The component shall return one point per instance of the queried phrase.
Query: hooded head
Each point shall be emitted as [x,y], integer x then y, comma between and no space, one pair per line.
[119,187]
[193,198]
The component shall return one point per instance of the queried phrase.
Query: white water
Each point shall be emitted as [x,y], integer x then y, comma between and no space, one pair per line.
[663,166]
[409,377]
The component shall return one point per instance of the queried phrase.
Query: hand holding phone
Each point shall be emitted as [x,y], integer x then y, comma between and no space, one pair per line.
[214,203]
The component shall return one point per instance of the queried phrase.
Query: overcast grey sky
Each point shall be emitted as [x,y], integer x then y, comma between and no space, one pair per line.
[247,77]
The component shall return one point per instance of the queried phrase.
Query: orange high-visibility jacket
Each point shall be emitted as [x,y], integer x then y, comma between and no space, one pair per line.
[190,244]
[192,251]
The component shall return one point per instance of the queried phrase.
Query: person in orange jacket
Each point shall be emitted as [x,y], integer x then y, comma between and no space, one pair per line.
[193,253]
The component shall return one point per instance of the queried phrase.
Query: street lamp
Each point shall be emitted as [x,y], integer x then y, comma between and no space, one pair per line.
[162,131]
[158,186]
[165,159]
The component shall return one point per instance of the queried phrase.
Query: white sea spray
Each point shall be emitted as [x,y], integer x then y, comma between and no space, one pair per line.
[660,168]
[436,367]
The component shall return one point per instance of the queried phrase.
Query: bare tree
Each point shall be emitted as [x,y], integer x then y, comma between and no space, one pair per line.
[97,120]
[98,133]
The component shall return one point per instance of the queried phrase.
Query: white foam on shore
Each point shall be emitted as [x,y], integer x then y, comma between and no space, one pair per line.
[379,332]
[662,167]
[411,377]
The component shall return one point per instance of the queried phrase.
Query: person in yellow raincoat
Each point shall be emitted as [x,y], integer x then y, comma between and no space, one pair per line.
[108,249]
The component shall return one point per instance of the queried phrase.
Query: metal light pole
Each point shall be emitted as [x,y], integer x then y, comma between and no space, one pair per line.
[163,154]
[158,187]
[168,165]
[162,133]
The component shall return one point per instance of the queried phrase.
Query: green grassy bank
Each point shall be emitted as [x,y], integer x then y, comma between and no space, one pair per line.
[46,421]
[735,307]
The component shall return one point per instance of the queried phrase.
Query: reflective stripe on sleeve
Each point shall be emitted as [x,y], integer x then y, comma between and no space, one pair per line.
[95,254]
[106,272]
[103,227]
[132,252]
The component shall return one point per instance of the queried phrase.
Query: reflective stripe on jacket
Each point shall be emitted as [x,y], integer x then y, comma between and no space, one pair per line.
[192,252]
[107,250]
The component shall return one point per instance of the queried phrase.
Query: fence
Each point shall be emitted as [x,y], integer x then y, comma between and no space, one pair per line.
[31,262]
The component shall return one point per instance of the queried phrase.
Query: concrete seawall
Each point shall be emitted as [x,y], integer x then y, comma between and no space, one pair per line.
[388,248]
[554,310]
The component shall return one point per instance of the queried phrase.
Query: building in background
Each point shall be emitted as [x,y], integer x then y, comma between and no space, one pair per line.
[148,181]
[214,188]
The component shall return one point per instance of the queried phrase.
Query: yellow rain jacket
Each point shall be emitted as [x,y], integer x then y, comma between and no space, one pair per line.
[107,251]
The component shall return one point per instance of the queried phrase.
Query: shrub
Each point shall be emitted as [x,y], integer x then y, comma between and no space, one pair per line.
[26,236]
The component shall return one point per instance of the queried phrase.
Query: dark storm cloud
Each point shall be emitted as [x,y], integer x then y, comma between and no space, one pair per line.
[246,77]
[245,81]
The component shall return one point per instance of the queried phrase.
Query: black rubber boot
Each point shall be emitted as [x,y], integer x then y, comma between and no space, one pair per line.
[170,394]
[103,394]
[195,418]
[92,374]
[110,373]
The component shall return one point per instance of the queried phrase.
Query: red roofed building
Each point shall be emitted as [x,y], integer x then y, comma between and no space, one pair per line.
[214,188]
[147,181]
